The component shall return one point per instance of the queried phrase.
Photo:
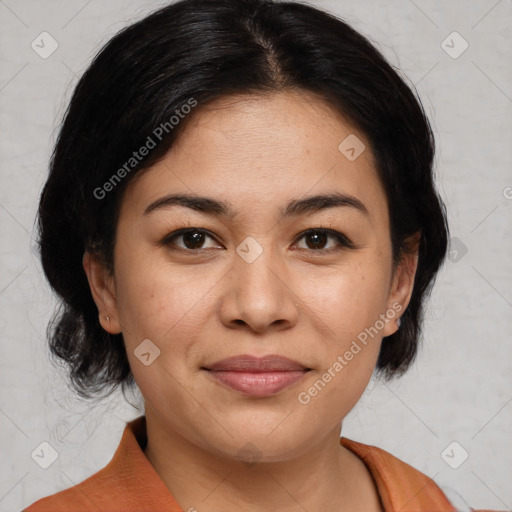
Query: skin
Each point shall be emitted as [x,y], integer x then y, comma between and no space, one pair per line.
[258,153]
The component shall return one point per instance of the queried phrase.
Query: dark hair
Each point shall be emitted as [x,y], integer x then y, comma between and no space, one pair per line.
[203,50]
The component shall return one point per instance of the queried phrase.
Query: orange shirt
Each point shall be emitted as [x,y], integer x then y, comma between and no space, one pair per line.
[129,483]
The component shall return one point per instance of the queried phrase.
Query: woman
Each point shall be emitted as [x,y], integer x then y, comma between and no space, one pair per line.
[241,220]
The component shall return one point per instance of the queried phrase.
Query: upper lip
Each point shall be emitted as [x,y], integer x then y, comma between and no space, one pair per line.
[247,363]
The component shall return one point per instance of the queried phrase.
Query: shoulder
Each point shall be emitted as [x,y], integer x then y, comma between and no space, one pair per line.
[85,496]
[401,486]
[107,490]
[127,483]
[60,502]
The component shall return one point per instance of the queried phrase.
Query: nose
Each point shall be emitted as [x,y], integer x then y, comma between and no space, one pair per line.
[258,296]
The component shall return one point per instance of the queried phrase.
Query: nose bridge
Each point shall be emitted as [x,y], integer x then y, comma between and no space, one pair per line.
[259,295]
[256,268]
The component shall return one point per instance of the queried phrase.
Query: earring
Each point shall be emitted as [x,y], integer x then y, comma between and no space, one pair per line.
[107,318]
[398,322]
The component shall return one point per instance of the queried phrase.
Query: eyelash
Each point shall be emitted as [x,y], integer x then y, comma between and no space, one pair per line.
[343,241]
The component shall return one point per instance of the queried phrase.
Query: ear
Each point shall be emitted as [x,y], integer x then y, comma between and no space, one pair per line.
[102,286]
[403,282]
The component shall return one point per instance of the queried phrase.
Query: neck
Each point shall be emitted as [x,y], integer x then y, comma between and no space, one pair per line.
[327,477]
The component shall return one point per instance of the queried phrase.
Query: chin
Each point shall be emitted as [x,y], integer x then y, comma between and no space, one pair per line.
[267,441]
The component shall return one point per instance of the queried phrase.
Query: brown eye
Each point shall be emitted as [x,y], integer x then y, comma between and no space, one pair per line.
[318,239]
[191,239]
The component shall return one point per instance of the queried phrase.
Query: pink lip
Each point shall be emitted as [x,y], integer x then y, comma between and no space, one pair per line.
[258,377]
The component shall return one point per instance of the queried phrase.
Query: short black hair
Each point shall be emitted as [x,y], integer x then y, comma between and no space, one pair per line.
[200,51]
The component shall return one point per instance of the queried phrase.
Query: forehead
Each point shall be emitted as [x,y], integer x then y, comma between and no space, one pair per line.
[261,150]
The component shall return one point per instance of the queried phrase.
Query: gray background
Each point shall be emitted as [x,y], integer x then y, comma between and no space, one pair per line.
[460,388]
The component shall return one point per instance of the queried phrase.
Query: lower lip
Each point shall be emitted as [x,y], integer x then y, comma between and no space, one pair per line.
[258,384]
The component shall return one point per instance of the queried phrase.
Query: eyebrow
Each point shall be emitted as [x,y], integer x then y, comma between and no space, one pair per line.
[296,207]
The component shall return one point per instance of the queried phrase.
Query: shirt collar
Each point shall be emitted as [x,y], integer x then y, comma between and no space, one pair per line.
[400,486]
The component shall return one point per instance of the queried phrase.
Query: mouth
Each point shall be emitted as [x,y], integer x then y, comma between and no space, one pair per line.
[255,376]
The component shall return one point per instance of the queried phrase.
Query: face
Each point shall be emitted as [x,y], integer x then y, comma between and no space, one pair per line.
[260,269]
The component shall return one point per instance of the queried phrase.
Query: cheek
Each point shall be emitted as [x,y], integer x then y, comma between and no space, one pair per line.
[345,306]
[160,304]
[157,301]
[347,299]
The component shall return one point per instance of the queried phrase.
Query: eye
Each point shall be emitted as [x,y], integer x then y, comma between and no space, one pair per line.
[193,239]
[316,240]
